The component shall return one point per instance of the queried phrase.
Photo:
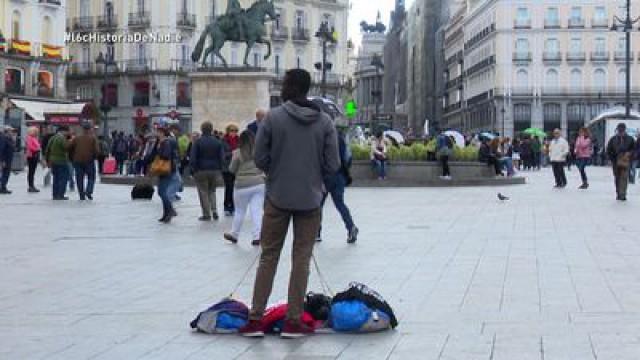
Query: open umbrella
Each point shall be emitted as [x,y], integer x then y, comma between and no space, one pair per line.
[535,132]
[395,135]
[457,137]
[487,135]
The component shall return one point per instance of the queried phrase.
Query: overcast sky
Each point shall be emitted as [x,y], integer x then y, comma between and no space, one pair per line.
[367,10]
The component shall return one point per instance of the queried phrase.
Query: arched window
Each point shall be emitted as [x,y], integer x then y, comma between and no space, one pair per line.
[46,30]
[16,25]
[576,79]
[551,80]
[141,93]
[14,80]
[522,79]
[622,78]
[599,79]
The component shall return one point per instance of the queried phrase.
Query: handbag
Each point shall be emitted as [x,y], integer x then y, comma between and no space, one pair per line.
[160,167]
[624,160]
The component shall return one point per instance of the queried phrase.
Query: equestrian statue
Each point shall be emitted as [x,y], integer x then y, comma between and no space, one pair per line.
[237,25]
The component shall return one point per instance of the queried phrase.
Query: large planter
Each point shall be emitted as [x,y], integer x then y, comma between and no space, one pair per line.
[417,173]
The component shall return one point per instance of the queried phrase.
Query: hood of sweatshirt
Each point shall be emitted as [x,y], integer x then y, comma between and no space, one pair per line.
[303,111]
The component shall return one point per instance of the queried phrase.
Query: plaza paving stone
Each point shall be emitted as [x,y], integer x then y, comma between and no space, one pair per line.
[547,275]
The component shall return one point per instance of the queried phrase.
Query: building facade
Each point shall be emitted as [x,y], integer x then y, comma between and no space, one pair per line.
[368,77]
[394,88]
[541,64]
[425,62]
[32,53]
[149,78]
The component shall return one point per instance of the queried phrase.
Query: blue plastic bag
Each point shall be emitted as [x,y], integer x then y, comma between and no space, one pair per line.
[349,315]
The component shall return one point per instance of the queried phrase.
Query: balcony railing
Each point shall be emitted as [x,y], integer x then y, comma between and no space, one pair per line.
[621,55]
[551,23]
[279,33]
[107,22]
[552,56]
[332,78]
[522,91]
[83,23]
[453,107]
[576,56]
[140,19]
[576,23]
[601,23]
[300,34]
[186,21]
[522,56]
[183,102]
[51,2]
[600,56]
[137,66]
[182,65]
[522,23]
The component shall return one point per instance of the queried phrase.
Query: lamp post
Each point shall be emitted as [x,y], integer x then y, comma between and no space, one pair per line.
[376,61]
[502,111]
[627,26]
[326,36]
[106,61]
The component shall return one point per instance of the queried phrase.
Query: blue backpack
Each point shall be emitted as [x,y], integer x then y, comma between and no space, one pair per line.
[349,316]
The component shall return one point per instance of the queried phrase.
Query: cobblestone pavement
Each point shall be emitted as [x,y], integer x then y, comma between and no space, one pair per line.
[548,275]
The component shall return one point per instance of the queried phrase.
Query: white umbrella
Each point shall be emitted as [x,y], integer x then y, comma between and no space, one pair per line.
[395,135]
[459,139]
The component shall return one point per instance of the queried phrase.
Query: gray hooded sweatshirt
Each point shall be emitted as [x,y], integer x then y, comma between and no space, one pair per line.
[296,147]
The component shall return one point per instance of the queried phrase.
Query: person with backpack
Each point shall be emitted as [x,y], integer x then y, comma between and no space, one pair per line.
[248,194]
[297,149]
[120,151]
[57,158]
[7,149]
[336,184]
[444,150]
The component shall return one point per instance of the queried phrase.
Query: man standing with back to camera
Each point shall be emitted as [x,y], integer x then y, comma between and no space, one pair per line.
[297,148]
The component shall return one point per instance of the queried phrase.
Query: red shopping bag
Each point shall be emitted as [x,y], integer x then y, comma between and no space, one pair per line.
[110,166]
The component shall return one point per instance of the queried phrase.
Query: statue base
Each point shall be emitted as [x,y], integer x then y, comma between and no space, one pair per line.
[223,97]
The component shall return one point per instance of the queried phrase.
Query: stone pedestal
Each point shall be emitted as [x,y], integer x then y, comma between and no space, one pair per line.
[224,97]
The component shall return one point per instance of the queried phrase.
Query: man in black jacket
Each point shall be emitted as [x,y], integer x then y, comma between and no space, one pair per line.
[7,148]
[620,151]
[207,162]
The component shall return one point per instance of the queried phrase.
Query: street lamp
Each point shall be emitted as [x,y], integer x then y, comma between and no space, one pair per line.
[106,61]
[627,26]
[376,61]
[326,36]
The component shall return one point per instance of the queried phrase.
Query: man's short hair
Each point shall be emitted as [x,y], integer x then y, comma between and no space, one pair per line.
[296,84]
[206,127]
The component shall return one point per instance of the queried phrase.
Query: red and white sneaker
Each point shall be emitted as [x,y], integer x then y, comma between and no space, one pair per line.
[253,329]
[295,329]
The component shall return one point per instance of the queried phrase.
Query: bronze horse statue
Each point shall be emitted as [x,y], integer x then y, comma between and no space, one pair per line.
[224,28]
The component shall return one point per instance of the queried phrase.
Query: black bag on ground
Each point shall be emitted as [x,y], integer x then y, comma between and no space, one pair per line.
[142,192]
[372,299]
[318,306]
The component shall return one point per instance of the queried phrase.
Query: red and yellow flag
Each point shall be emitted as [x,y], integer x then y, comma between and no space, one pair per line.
[50,51]
[21,47]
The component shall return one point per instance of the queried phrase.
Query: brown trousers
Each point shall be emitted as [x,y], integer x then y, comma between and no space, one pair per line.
[275,224]
[206,182]
[621,175]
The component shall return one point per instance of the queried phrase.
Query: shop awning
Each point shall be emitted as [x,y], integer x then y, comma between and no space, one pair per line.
[40,110]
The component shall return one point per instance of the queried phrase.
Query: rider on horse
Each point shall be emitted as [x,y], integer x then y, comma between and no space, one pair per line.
[236,15]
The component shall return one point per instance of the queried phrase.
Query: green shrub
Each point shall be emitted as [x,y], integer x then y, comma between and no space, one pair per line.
[415,152]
